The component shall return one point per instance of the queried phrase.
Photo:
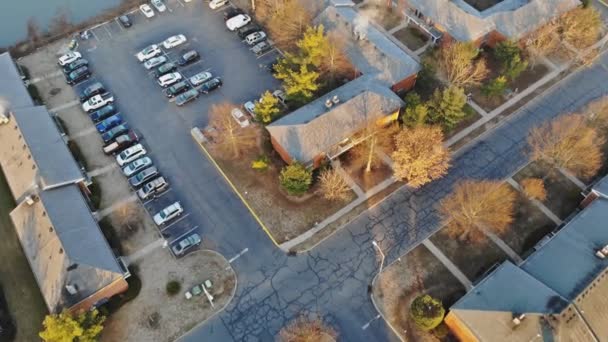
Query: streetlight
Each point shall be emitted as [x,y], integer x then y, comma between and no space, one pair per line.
[381,254]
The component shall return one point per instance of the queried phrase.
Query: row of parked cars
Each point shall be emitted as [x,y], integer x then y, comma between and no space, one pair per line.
[174,83]
[251,33]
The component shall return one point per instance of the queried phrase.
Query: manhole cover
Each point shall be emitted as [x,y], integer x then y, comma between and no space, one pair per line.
[55,91]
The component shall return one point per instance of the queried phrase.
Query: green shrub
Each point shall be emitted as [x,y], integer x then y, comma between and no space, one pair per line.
[109,232]
[116,302]
[495,87]
[95,195]
[441,331]
[427,312]
[77,153]
[35,94]
[173,287]
[295,179]
[261,163]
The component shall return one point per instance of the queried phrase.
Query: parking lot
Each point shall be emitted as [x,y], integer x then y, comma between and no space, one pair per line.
[162,126]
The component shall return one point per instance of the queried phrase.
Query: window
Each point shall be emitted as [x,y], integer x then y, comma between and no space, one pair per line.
[29,156]
[44,213]
[50,229]
[60,250]
[33,166]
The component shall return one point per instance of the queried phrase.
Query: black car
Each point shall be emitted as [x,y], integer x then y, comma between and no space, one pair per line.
[165,69]
[232,12]
[78,75]
[247,30]
[188,57]
[92,90]
[103,112]
[210,85]
[125,21]
[75,65]
[177,89]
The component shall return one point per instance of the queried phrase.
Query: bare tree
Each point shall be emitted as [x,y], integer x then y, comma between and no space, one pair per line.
[286,20]
[476,208]
[231,138]
[459,65]
[568,142]
[33,30]
[333,186]
[307,329]
[581,26]
[335,65]
[534,188]
[420,156]
[61,22]
[596,114]
[127,215]
[543,41]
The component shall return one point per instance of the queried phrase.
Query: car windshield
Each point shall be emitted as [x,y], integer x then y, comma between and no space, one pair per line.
[149,49]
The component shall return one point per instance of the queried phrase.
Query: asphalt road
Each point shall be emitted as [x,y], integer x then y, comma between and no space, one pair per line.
[333,279]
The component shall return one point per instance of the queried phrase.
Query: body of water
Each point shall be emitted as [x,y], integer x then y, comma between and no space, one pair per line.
[14,14]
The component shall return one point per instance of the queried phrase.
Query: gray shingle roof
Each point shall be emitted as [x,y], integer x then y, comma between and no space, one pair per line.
[11,85]
[513,18]
[313,129]
[56,165]
[602,187]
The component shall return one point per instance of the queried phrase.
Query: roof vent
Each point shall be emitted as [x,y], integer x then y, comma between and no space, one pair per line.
[328,103]
[29,200]
[602,253]
[335,99]
[517,320]
[72,289]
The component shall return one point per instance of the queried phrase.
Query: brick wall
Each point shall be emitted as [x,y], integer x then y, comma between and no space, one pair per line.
[405,85]
[117,287]
[282,152]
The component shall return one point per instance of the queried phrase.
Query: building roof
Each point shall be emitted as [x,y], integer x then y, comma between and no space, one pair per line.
[64,246]
[375,53]
[512,18]
[313,129]
[12,89]
[55,164]
[601,187]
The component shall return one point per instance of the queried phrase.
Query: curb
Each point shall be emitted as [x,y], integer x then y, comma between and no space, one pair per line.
[200,139]
[381,313]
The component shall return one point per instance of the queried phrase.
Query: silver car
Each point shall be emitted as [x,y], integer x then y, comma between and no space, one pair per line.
[143,176]
[136,166]
[200,78]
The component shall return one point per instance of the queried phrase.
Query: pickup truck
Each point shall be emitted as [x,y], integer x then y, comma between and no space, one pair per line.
[97,102]
[121,142]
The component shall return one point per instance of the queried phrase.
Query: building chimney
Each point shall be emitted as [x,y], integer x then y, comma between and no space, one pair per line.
[335,99]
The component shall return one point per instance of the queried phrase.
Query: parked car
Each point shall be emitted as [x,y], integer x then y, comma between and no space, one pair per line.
[177,89]
[78,75]
[143,176]
[186,97]
[168,213]
[211,85]
[247,30]
[97,102]
[159,5]
[147,11]
[93,89]
[280,95]
[250,107]
[165,69]
[200,78]
[69,57]
[121,142]
[109,123]
[232,12]
[261,48]
[152,188]
[188,57]
[168,79]
[149,52]
[174,41]
[215,4]
[154,62]
[255,38]
[136,166]
[114,132]
[186,243]
[130,154]
[125,21]
[75,65]
[240,117]
[103,112]
[238,21]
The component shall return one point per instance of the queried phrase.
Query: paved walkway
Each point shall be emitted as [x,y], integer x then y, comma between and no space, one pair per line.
[107,211]
[144,251]
[456,272]
[45,77]
[537,203]
[64,106]
[102,170]
[572,178]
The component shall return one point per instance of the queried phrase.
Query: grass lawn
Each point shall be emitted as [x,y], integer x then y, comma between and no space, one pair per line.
[472,259]
[419,272]
[411,37]
[25,303]
[529,226]
[563,196]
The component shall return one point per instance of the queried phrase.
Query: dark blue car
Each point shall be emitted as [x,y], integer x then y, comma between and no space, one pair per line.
[109,123]
[103,112]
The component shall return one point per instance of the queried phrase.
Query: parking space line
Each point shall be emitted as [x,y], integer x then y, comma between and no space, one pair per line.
[94,35]
[266,53]
[186,233]
[108,31]
[181,3]
[118,23]
[64,106]
[174,222]
[157,196]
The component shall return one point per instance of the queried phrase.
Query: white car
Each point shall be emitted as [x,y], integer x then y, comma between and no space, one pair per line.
[69,58]
[255,38]
[154,62]
[240,117]
[238,22]
[130,154]
[169,79]
[136,166]
[159,5]
[147,11]
[215,4]
[168,214]
[174,41]
[149,52]
[200,78]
